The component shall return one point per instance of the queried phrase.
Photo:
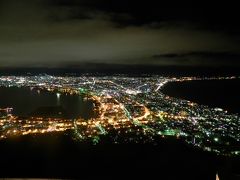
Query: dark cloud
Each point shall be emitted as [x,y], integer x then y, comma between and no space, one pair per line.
[200,58]
[58,33]
[223,17]
[201,54]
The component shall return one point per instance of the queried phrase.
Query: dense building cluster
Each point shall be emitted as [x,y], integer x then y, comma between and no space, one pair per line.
[128,109]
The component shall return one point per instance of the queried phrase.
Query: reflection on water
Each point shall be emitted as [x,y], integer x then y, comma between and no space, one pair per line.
[25,102]
[58,99]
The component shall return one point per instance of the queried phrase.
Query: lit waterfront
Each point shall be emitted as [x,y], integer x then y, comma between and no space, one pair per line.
[132,109]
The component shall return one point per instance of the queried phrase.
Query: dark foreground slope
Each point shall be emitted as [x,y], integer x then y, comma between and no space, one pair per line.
[58,156]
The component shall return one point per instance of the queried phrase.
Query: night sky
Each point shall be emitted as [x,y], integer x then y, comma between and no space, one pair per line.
[62,33]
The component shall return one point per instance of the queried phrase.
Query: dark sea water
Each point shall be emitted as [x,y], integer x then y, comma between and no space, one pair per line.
[214,93]
[27,102]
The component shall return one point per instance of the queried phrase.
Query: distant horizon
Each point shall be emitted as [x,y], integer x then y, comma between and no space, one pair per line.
[125,69]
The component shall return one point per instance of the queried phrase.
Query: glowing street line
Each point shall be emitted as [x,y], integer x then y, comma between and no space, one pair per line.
[103,131]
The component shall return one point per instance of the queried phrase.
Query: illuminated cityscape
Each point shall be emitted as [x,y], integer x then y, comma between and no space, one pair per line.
[128,110]
[103,89]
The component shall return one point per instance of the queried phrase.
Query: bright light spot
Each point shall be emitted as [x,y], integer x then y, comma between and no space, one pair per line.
[134,92]
[58,95]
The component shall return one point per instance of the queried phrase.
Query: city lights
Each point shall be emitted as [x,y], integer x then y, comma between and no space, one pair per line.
[129,109]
